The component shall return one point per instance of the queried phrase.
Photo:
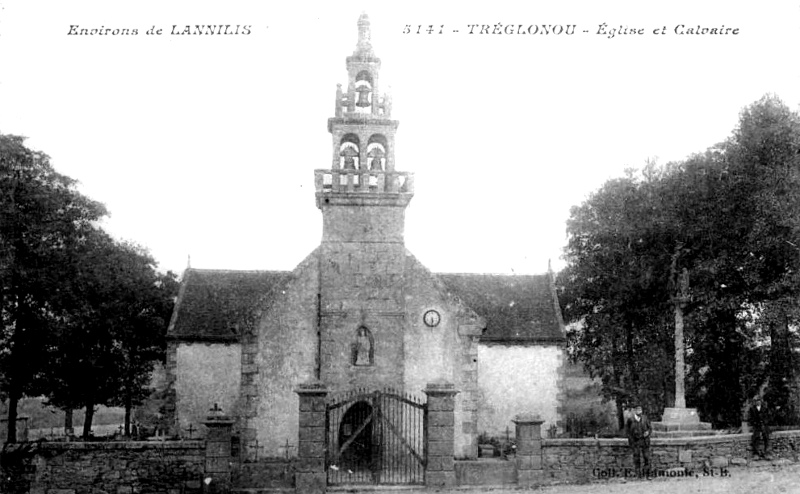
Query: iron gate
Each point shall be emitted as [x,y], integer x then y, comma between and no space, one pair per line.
[376,438]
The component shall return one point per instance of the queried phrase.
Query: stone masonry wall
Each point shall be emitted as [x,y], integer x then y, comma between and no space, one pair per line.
[170,397]
[280,353]
[113,467]
[361,285]
[448,351]
[576,460]
[547,461]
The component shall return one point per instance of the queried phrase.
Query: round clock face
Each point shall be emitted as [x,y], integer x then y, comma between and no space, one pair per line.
[431,318]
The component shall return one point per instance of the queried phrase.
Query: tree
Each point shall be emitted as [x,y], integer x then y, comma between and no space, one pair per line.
[614,284]
[142,336]
[113,329]
[42,217]
[727,220]
[764,153]
[746,263]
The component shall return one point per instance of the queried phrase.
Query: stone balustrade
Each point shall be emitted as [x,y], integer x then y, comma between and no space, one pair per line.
[363,181]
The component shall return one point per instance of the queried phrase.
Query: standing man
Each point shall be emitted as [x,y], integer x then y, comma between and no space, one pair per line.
[759,422]
[638,430]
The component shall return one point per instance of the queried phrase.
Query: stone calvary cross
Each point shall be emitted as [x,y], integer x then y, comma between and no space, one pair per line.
[681,299]
[679,420]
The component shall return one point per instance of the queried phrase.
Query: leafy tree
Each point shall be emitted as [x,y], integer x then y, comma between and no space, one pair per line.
[713,241]
[143,335]
[764,156]
[615,285]
[42,217]
[83,316]
[746,264]
[113,327]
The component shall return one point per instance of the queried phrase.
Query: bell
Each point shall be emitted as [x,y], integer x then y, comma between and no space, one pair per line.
[349,158]
[363,97]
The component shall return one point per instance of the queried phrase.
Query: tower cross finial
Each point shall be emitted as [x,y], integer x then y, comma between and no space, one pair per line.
[364,34]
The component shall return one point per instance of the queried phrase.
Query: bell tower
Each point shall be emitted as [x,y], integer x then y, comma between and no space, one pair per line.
[362,174]
[362,257]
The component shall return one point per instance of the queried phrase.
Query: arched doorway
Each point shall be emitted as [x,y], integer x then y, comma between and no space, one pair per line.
[356,440]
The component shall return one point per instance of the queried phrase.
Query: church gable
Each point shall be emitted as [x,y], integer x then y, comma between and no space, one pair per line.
[220,305]
[467,321]
[517,308]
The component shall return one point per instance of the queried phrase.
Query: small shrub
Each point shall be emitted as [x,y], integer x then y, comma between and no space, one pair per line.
[502,447]
[590,422]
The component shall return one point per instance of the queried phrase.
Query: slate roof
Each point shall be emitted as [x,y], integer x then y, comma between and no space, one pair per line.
[517,309]
[217,305]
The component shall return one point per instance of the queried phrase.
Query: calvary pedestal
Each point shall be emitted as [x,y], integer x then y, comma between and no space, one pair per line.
[680,422]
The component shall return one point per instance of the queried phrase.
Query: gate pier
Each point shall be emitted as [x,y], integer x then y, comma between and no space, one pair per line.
[440,424]
[310,474]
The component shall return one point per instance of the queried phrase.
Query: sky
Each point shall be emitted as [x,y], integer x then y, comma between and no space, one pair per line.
[204,147]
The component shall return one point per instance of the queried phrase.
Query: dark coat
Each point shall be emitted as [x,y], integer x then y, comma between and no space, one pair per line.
[758,419]
[638,431]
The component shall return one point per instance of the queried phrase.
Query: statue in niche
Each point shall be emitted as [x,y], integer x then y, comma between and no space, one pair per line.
[362,348]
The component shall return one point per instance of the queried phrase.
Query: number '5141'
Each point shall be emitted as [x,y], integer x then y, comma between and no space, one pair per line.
[420,29]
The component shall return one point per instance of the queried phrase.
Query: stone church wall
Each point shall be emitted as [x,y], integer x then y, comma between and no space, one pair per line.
[514,380]
[362,288]
[206,373]
[285,356]
[440,353]
[369,224]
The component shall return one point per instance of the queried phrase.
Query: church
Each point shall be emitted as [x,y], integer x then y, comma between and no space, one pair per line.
[360,313]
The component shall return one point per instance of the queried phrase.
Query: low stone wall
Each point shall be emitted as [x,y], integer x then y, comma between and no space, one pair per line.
[550,461]
[486,472]
[112,467]
[580,460]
